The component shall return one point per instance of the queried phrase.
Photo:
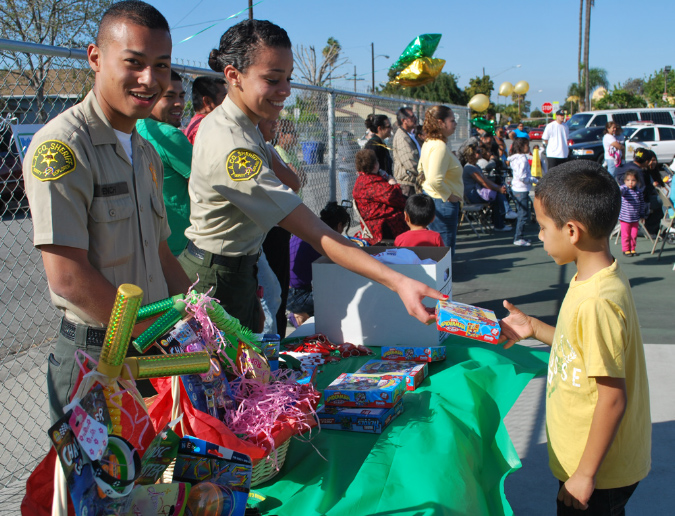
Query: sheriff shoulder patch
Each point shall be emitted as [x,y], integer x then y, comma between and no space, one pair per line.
[53,159]
[243,165]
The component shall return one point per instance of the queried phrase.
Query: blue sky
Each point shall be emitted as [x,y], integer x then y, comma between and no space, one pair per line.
[628,38]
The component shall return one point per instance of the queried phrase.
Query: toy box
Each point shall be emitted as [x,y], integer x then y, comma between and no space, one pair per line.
[201,461]
[351,308]
[353,390]
[413,372]
[368,420]
[413,353]
[467,321]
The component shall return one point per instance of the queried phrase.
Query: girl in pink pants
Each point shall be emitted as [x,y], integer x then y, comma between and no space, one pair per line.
[633,210]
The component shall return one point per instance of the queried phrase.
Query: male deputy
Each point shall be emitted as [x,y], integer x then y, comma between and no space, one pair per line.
[161,129]
[95,191]
[555,138]
[406,151]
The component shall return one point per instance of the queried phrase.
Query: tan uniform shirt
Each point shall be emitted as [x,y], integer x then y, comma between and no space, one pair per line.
[84,193]
[235,198]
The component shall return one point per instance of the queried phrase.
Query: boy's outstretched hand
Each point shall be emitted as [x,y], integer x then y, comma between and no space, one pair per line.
[516,326]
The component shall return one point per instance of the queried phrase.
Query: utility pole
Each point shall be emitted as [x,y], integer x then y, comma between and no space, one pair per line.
[372,62]
[356,78]
[250,9]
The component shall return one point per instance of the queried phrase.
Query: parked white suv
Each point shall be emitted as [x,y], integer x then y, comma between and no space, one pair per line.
[656,137]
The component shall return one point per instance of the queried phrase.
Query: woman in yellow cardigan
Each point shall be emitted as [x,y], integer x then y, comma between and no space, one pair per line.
[442,173]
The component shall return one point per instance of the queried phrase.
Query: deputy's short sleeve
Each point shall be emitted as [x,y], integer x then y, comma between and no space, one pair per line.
[602,333]
[254,188]
[59,188]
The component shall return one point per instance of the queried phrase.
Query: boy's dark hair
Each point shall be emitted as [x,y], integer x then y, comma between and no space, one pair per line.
[365,161]
[421,210]
[135,11]
[175,76]
[582,191]
[205,86]
[242,41]
[334,214]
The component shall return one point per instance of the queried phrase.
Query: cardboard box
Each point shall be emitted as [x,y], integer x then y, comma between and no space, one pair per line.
[351,308]
[353,390]
[414,353]
[368,420]
[413,372]
[467,321]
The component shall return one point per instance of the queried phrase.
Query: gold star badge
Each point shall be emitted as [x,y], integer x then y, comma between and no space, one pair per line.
[243,164]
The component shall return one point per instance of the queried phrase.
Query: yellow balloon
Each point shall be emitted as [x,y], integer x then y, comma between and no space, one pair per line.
[521,88]
[506,89]
[479,102]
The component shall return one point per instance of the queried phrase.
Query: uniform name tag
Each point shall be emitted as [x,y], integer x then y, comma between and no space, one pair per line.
[111,189]
[242,165]
[52,160]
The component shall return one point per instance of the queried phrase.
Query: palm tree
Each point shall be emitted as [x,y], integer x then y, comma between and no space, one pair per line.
[587,36]
[581,26]
[597,77]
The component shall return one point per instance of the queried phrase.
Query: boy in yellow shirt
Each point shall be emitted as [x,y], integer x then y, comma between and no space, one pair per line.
[598,422]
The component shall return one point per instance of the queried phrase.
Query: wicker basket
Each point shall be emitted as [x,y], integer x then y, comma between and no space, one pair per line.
[267,468]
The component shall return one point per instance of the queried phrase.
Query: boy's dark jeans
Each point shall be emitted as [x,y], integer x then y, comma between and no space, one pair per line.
[603,502]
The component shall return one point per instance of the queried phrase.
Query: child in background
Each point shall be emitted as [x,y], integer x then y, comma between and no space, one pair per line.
[300,296]
[597,397]
[419,213]
[520,185]
[633,211]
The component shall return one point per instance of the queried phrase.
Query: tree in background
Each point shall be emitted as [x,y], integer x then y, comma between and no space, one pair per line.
[619,98]
[65,23]
[596,77]
[443,89]
[654,86]
[478,85]
[581,44]
[311,71]
[587,68]
[634,86]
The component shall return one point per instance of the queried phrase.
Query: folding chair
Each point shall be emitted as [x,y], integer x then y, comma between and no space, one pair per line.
[666,231]
[365,232]
[477,215]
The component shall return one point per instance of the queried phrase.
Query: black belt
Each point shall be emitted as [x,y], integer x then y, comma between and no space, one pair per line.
[95,336]
[248,260]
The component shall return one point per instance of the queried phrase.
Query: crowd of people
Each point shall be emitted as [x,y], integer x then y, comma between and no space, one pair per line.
[119,194]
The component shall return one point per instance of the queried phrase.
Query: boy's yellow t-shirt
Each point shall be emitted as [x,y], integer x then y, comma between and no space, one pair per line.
[598,334]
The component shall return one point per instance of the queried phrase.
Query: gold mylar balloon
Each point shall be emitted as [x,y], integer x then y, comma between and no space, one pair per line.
[479,102]
[521,88]
[506,89]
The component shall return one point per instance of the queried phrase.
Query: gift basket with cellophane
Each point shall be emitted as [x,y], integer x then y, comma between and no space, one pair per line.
[221,421]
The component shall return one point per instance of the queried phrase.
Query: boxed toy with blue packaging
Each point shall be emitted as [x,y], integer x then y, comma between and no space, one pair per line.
[467,321]
[368,420]
[353,390]
[200,462]
[413,372]
[413,353]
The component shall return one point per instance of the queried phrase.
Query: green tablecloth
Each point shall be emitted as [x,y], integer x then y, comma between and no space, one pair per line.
[448,453]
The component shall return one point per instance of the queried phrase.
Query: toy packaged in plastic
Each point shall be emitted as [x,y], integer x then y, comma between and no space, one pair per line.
[367,420]
[220,478]
[414,354]
[185,332]
[413,372]
[209,392]
[354,390]
[467,321]
[159,455]
[269,344]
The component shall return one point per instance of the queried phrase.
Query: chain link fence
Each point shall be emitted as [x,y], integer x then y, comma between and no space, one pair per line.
[37,83]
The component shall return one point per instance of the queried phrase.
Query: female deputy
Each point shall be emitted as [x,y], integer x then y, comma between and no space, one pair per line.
[235,198]
[442,172]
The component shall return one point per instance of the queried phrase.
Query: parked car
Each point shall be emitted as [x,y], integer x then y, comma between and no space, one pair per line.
[536,133]
[588,134]
[592,150]
[656,137]
[12,196]
[664,116]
